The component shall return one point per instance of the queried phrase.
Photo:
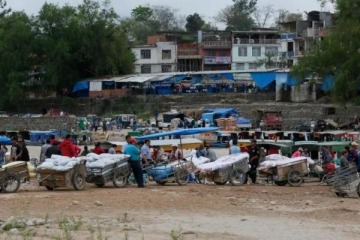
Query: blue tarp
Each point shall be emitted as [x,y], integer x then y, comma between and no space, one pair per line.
[328,83]
[5,140]
[196,78]
[242,120]
[291,81]
[262,80]
[222,111]
[178,132]
[229,76]
[80,86]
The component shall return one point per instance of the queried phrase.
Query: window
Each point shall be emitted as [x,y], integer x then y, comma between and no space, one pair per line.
[240,66]
[242,52]
[166,68]
[256,51]
[145,68]
[211,53]
[145,54]
[252,66]
[223,53]
[271,50]
[166,54]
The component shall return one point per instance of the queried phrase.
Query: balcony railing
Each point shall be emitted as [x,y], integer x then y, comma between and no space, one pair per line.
[188,52]
[287,36]
[217,44]
[256,41]
[217,60]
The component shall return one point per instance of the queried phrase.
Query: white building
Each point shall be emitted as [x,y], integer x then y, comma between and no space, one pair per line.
[256,50]
[157,58]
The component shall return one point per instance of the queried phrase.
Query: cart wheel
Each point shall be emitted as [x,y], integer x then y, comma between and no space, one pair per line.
[237,177]
[99,184]
[10,183]
[119,179]
[162,183]
[50,188]
[340,194]
[224,177]
[281,183]
[78,181]
[294,178]
[182,176]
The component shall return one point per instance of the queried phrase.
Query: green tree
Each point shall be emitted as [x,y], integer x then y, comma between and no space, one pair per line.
[194,23]
[338,54]
[238,15]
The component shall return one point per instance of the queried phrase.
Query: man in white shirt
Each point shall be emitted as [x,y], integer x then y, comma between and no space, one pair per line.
[146,153]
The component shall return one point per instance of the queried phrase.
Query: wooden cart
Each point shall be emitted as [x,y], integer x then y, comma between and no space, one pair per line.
[11,175]
[53,179]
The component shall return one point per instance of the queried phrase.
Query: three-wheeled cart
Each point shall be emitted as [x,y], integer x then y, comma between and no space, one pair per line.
[117,172]
[291,173]
[177,171]
[53,179]
[11,175]
[346,181]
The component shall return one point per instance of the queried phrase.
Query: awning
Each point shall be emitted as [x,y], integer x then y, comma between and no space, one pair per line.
[80,86]
[262,80]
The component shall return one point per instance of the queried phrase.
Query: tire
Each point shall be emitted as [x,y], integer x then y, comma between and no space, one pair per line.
[224,179]
[237,177]
[295,178]
[10,183]
[161,182]
[119,179]
[78,181]
[181,176]
[281,183]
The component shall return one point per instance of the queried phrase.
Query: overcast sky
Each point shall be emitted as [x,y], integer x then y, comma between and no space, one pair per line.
[206,8]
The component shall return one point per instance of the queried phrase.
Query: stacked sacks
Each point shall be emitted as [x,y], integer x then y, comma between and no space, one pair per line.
[224,162]
[59,163]
[104,163]
[274,160]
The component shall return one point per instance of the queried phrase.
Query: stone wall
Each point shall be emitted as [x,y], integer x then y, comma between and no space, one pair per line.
[38,123]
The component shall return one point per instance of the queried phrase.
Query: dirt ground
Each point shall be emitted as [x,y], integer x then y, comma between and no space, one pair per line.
[194,211]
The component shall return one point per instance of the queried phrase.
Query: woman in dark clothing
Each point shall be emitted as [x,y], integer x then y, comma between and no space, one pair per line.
[24,155]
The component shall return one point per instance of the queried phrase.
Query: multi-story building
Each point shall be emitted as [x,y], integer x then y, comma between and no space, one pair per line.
[258,49]
[158,56]
[298,37]
[216,50]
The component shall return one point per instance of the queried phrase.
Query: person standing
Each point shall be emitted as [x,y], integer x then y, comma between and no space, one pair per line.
[234,148]
[127,139]
[146,153]
[53,149]
[3,151]
[66,147]
[344,163]
[85,151]
[43,150]
[210,153]
[15,150]
[98,149]
[24,154]
[112,149]
[175,153]
[254,155]
[297,153]
[135,162]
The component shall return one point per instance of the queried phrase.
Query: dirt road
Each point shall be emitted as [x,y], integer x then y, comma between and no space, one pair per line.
[182,212]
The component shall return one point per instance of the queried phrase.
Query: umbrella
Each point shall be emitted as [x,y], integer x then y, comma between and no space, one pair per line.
[5,140]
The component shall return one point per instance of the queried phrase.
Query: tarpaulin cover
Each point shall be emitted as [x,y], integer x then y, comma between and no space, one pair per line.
[229,76]
[262,80]
[180,77]
[328,83]
[196,78]
[5,140]
[291,81]
[179,132]
[83,85]
[213,76]
[242,120]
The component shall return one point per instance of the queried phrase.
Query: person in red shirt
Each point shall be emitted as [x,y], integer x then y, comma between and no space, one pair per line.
[67,148]
[98,149]
[77,150]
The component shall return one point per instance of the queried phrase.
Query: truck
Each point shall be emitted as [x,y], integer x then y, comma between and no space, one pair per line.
[210,115]
[167,117]
[270,120]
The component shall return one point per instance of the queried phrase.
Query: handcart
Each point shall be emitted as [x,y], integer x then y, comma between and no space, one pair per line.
[11,175]
[53,179]
[117,172]
[346,181]
[291,173]
[235,174]
[177,171]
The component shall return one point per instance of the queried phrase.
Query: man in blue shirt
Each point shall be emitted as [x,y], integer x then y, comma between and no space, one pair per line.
[135,163]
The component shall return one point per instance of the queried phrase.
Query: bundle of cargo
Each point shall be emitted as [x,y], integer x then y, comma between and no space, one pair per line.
[176,171]
[61,171]
[232,168]
[105,167]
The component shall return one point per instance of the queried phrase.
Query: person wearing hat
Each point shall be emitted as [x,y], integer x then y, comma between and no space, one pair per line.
[254,156]
[135,161]
[176,153]
[297,153]
[53,149]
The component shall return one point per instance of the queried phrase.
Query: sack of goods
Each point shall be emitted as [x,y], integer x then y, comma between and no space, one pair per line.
[59,163]
[197,161]
[161,172]
[274,160]
[224,162]
[105,163]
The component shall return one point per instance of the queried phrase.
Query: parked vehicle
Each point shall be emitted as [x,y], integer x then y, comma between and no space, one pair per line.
[270,120]
[165,122]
